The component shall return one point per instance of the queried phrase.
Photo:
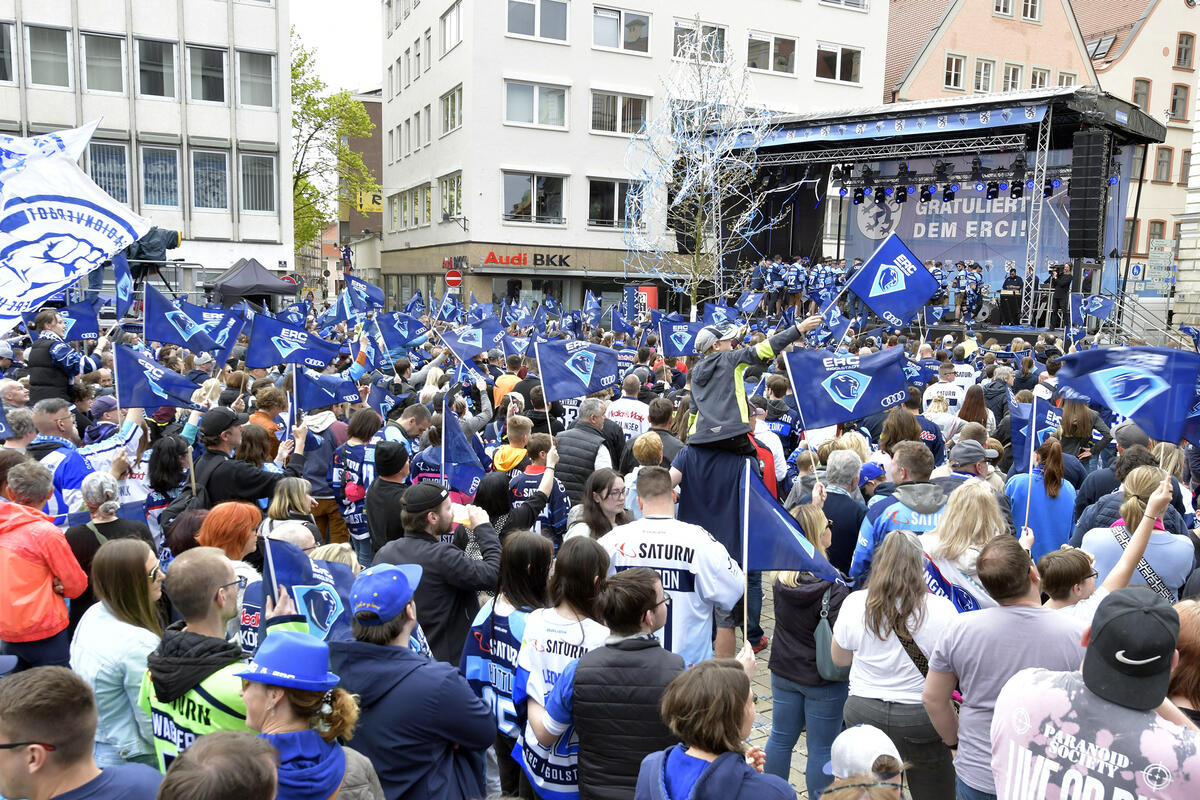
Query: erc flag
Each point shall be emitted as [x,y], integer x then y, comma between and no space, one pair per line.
[272,342]
[620,324]
[1192,332]
[296,314]
[575,369]
[934,314]
[311,393]
[449,310]
[459,461]
[363,296]
[56,224]
[382,400]
[470,341]
[678,339]
[749,302]
[142,383]
[1090,304]
[123,280]
[79,320]
[165,322]
[222,327]
[771,537]
[320,589]
[1153,386]
[893,282]
[400,332]
[1039,420]
[415,304]
[832,389]
[719,312]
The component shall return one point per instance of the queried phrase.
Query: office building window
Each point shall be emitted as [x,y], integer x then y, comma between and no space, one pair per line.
[709,39]
[1012,78]
[206,72]
[1141,93]
[391,81]
[1039,78]
[108,167]
[1179,101]
[210,180]
[407,145]
[49,56]
[1185,167]
[160,177]
[546,19]
[416,48]
[1003,7]
[1183,50]
[393,212]
[407,66]
[416,213]
[399,75]
[403,210]
[156,68]
[1157,229]
[534,104]
[771,53]
[1163,156]
[451,28]
[428,124]
[452,109]
[427,203]
[8,50]
[607,202]
[103,63]
[533,198]
[450,189]
[620,30]
[1031,10]
[859,4]
[1135,169]
[258,183]
[985,72]
[618,113]
[1066,79]
[256,79]
[837,63]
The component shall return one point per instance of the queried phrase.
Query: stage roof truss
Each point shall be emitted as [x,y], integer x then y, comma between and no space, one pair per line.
[898,150]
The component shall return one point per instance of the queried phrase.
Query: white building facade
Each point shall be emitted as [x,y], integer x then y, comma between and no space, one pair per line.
[506,125]
[193,98]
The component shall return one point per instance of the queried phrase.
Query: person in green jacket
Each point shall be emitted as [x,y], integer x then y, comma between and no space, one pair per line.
[192,687]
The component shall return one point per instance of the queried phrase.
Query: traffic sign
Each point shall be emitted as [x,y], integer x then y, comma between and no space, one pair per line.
[453,278]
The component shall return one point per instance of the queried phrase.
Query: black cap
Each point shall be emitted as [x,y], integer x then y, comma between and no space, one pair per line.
[424,497]
[390,457]
[220,419]
[1132,645]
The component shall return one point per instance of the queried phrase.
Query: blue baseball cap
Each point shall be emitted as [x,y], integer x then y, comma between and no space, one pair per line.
[385,590]
[869,472]
[292,660]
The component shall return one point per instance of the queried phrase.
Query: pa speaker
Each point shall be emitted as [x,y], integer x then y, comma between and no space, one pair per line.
[1088,193]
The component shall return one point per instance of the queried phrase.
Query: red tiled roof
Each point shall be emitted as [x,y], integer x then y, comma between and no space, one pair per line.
[910,24]
[1103,18]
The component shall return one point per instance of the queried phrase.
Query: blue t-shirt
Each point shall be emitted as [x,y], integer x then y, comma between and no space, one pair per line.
[681,773]
[126,782]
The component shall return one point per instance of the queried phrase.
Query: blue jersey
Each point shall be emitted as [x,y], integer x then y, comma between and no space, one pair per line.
[553,519]
[893,515]
[489,663]
[350,474]
[797,279]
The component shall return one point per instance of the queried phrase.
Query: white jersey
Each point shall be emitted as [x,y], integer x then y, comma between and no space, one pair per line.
[965,375]
[631,414]
[952,391]
[548,645]
[697,574]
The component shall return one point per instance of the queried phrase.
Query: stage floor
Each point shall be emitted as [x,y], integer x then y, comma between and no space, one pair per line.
[1004,334]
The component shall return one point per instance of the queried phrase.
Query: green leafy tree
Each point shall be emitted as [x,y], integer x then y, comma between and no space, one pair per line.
[323,123]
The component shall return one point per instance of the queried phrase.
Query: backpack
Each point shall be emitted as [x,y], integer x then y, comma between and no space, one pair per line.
[187,500]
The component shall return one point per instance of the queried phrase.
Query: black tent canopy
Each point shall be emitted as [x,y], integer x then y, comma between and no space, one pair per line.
[249,280]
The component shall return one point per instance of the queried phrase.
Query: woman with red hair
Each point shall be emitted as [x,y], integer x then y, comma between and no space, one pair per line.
[230,527]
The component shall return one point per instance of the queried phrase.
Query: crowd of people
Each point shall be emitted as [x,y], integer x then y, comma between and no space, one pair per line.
[983,624]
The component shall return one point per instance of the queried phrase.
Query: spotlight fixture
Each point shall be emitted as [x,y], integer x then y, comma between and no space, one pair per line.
[927,193]
[858,197]
[1029,184]
[941,169]
[867,191]
[1004,186]
[843,192]
[888,190]
[1017,190]
[1056,183]
[902,194]
[881,198]
[835,175]
[1047,188]
[980,186]
[1113,180]
[993,190]
[976,168]
[948,194]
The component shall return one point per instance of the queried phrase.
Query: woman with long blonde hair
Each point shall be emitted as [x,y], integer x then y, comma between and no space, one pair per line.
[970,519]
[885,634]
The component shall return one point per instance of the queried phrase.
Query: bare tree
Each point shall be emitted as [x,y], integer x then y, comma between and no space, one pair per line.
[695,200]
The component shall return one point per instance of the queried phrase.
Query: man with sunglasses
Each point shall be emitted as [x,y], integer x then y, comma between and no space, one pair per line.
[47,733]
[192,686]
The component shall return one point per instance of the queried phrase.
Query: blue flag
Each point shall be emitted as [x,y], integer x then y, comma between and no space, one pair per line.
[1192,332]
[311,392]
[375,356]
[678,339]
[165,322]
[629,298]
[718,312]
[449,310]
[1034,422]
[320,589]
[832,389]
[459,461]
[363,296]
[123,280]
[772,539]
[1153,386]
[142,383]
[80,321]
[471,340]
[1090,304]
[893,282]
[540,318]
[575,369]
[620,324]
[516,345]
[551,305]
[591,309]
[934,314]
[222,327]
[918,373]
[382,400]
[415,305]
[749,302]
[401,331]
[573,323]
[296,314]
[272,342]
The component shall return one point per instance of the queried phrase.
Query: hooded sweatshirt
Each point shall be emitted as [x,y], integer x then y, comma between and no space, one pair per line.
[319,450]
[729,777]
[191,689]
[508,458]
[428,729]
[915,507]
[310,768]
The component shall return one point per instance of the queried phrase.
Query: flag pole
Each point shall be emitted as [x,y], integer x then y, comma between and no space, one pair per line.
[445,407]
[541,380]
[1032,452]
[746,554]
[787,365]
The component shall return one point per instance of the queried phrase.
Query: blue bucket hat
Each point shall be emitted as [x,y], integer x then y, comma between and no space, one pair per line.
[292,660]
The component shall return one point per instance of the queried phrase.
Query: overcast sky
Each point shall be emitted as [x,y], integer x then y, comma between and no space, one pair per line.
[347,37]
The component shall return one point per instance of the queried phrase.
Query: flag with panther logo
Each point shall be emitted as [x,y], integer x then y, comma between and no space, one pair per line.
[893,282]
[678,339]
[142,383]
[832,389]
[575,369]
[1153,386]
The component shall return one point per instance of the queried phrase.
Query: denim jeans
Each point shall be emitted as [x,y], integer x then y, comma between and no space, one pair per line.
[362,550]
[754,612]
[53,651]
[796,707]
[964,792]
[930,775]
